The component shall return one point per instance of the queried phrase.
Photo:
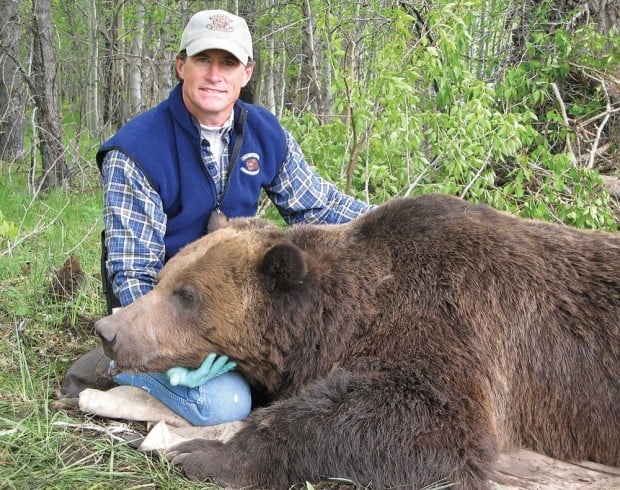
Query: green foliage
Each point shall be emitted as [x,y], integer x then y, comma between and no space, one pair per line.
[431,118]
[47,230]
[8,230]
[44,446]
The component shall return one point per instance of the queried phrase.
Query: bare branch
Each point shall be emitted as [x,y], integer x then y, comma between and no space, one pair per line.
[558,97]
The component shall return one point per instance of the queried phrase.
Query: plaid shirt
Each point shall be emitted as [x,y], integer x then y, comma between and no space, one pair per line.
[135,222]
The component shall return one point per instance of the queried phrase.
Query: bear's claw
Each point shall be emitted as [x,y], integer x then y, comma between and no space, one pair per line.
[199,459]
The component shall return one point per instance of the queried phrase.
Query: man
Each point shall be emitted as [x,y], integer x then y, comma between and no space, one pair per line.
[201,156]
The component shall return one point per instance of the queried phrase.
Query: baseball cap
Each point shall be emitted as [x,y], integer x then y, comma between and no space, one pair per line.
[217,29]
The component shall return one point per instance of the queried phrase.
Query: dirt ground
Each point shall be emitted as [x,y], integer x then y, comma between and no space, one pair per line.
[525,469]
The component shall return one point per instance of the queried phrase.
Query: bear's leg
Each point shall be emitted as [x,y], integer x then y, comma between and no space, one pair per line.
[377,428]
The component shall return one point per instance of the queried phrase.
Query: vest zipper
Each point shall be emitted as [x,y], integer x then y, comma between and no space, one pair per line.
[239,123]
[232,160]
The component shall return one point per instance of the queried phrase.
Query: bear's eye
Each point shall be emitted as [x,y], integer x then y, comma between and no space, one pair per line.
[187,295]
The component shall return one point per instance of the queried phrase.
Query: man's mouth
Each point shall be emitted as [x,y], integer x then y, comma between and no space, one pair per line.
[212,91]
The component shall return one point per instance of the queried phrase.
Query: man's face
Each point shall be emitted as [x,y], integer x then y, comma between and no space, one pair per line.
[212,81]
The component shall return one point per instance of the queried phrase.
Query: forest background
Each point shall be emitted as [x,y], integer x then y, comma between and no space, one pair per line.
[512,103]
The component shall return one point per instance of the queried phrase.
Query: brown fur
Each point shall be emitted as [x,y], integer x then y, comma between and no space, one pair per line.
[67,280]
[403,348]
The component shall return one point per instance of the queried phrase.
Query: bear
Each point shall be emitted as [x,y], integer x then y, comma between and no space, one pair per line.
[405,348]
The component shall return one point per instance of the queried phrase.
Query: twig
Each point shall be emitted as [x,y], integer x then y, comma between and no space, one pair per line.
[608,112]
[86,235]
[38,229]
[471,182]
[558,97]
[600,150]
[598,116]
[478,174]
[110,430]
[433,163]
[599,131]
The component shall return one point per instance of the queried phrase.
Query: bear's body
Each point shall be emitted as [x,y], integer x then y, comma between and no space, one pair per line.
[406,347]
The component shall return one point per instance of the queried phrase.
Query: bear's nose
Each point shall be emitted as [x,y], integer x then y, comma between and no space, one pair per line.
[105,328]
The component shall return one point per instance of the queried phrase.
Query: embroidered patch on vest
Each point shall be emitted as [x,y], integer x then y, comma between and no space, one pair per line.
[250,164]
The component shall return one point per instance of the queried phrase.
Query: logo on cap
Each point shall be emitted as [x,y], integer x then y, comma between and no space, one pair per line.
[220,22]
[217,29]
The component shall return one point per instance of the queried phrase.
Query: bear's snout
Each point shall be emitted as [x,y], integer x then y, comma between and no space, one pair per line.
[105,328]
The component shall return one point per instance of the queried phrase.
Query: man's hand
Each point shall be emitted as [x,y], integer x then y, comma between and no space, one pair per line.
[210,368]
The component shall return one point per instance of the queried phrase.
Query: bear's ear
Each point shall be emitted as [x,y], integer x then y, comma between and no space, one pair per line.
[285,266]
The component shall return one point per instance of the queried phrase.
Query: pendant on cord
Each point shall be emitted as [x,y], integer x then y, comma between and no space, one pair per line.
[217,219]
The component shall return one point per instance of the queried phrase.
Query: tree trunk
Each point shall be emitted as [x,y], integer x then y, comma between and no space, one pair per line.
[269,76]
[313,55]
[134,70]
[248,10]
[91,98]
[12,101]
[114,79]
[268,72]
[608,14]
[53,158]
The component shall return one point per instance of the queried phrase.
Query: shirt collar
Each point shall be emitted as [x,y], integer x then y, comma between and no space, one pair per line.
[219,130]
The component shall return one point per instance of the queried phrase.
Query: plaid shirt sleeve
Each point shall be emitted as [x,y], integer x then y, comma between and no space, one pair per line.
[135,225]
[301,195]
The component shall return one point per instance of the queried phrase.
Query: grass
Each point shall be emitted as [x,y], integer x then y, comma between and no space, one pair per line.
[42,446]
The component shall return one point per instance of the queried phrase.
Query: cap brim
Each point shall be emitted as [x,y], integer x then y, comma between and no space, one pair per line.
[200,45]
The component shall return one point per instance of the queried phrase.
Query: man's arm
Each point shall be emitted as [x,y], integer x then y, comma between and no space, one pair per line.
[301,195]
[135,225]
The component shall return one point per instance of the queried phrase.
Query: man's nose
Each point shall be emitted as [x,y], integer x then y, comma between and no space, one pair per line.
[213,70]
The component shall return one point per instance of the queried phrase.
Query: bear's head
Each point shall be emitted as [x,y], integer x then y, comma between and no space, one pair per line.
[216,295]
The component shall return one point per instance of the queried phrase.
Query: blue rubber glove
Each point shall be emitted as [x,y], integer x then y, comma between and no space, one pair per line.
[210,368]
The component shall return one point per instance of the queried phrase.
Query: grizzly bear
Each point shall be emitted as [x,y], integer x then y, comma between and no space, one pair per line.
[404,348]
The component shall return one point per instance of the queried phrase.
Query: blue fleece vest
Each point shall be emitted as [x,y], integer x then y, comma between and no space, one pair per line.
[165,144]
